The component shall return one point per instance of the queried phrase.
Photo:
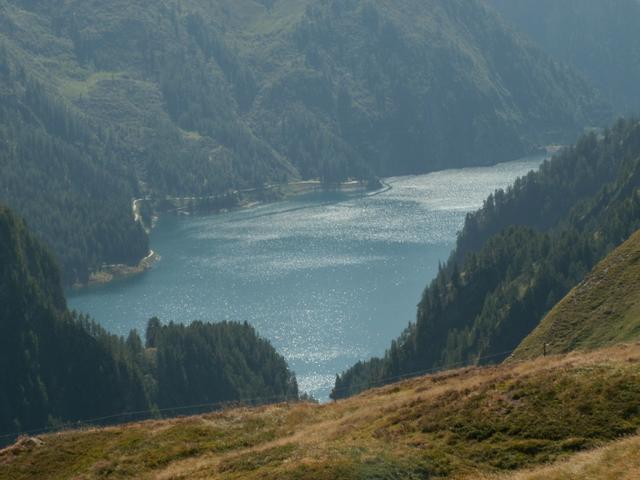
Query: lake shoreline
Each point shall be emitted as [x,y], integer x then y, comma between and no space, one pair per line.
[112,273]
[237,200]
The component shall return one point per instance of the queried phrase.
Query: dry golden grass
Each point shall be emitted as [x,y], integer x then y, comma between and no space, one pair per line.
[616,461]
[473,421]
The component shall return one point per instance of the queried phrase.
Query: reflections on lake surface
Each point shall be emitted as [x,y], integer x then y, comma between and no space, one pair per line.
[329,278]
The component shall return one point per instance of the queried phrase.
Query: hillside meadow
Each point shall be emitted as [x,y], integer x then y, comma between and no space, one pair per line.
[463,423]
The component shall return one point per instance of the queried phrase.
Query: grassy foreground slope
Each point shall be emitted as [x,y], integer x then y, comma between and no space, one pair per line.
[469,422]
[602,310]
[616,461]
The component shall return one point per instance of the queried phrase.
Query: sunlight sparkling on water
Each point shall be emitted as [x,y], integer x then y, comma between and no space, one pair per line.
[328,278]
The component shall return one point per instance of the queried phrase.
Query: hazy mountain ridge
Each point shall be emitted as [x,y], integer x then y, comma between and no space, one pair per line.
[597,37]
[411,87]
[344,66]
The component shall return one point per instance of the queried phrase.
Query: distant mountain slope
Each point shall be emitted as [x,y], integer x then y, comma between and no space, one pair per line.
[242,90]
[202,97]
[410,86]
[454,424]
[517,257]
[602,310]
[598,37]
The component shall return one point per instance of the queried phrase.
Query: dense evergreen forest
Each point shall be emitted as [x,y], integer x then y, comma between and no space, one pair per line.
[598,37]
[59,366]
[65,177]
[517,257]
[234,362]
[119,99]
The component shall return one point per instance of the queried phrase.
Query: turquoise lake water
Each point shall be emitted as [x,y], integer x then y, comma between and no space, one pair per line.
[328,278]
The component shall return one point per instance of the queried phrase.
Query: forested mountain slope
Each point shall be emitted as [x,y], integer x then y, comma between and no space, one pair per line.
[65,176]
[410,86]
[56,366]
[398,86]
[602,310]
[598,37]
[459,424]
[50,367]
[199,98]
[517,257]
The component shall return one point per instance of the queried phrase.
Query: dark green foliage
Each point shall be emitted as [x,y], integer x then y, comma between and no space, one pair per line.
[57,366]
[541,199]
[65,177]
[503,280]
[598,37]
[53,365]
[414,86]
[202,98]
[207,363]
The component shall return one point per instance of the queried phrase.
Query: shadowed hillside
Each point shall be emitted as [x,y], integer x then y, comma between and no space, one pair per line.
[58,367]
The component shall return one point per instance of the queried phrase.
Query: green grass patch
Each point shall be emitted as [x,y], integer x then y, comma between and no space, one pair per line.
[603,310]
[77,88]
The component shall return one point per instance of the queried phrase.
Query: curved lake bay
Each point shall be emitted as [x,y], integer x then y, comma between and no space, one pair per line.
[328,278]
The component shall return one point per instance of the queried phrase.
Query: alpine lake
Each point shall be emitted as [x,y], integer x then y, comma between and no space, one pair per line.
[329,278]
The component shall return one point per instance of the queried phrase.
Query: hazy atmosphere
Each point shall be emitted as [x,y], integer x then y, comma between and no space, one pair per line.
[320,239]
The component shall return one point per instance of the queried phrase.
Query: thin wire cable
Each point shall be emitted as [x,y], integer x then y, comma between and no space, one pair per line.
[386,380]
[152,412]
